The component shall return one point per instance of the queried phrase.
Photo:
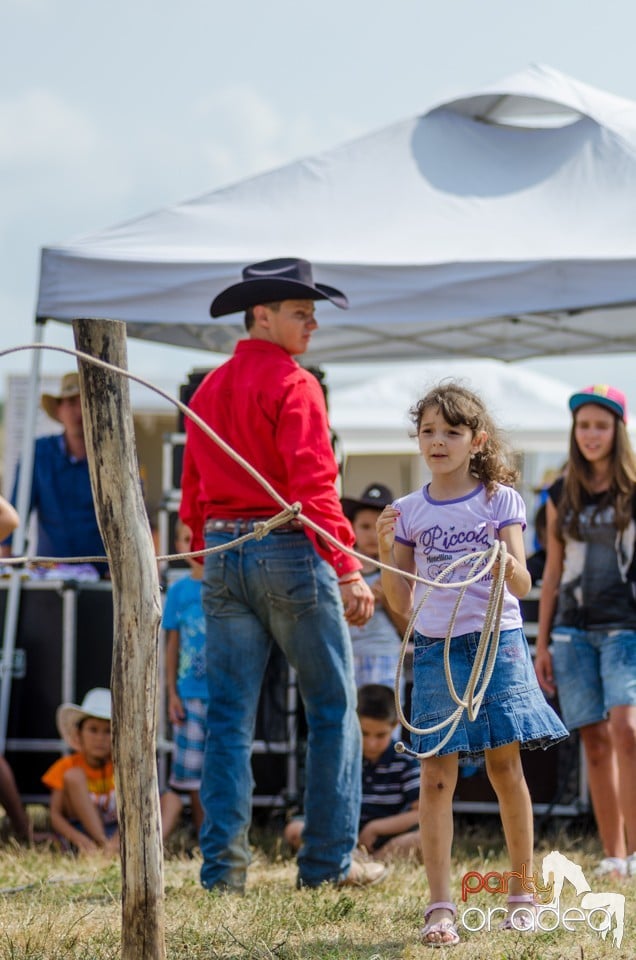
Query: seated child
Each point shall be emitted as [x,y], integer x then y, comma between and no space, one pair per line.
[390,784]
[83,807]
[186,680]
[14,809]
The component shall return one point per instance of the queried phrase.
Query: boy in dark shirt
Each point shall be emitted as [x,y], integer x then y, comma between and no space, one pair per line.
[390,784]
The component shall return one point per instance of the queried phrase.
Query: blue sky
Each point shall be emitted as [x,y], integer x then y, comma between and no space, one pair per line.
[110,110]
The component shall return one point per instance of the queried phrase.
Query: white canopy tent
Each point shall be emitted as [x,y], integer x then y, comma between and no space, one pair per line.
[369,403]
[498,224]
[369,407]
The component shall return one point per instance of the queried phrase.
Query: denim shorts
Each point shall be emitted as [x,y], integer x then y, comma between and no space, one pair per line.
[513,709]
[594,670]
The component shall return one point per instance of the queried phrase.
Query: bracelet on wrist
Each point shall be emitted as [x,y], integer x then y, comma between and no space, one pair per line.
[349,579]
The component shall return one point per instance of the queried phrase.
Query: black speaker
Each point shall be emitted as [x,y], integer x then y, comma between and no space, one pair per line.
[36,695]
[186,391]
[270,765]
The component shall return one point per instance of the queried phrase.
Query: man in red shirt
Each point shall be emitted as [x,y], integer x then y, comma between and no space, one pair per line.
[291,588]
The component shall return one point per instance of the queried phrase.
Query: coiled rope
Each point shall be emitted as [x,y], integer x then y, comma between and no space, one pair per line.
[487,646]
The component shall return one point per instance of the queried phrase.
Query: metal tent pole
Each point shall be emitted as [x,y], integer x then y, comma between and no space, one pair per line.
[19,538]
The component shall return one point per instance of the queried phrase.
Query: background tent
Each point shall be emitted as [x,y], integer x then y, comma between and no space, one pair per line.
[499,224]
[369,403]
[369,406]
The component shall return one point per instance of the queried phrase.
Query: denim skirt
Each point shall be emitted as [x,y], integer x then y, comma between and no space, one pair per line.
[513,708]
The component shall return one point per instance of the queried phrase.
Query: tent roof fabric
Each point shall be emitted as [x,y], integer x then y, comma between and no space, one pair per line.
[498,224]
[369,403]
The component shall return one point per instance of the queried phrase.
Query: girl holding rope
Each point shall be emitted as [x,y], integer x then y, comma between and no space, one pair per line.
[467,506]
[588,611]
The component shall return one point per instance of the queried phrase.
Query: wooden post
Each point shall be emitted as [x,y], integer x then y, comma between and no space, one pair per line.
[124,526]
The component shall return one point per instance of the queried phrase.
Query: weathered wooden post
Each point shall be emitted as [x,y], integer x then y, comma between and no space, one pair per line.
[123,523]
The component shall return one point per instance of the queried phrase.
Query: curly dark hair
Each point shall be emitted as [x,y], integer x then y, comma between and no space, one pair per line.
[494,463]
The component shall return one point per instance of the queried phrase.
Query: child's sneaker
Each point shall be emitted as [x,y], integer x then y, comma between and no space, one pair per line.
[630,865]
[613,866]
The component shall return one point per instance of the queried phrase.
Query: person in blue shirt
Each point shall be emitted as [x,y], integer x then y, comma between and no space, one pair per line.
[187,686]
[61,492]
[376,644]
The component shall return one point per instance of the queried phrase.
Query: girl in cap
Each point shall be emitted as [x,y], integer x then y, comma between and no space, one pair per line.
[587,609]
[468,504]
[83,808]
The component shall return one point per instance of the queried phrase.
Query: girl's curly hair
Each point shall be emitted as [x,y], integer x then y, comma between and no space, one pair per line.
[494,463]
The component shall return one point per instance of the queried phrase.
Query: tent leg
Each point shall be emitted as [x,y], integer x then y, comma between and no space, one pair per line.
[19,539]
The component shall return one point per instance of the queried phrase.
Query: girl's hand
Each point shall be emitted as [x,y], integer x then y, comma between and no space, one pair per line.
[543,670]
[385,527]
[516,576]
[511,566]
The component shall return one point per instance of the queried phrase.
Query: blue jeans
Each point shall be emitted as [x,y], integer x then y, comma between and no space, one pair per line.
[594,671]
[277,590]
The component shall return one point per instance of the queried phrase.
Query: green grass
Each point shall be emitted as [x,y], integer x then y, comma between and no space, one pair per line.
[54,906]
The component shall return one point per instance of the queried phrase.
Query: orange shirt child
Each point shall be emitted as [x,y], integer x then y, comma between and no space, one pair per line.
[100,781]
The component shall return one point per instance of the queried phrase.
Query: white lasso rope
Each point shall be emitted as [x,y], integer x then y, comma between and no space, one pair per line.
[487,647]
[288,511]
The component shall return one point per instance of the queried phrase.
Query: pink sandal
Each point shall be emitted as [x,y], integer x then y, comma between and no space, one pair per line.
[443,928]
[520,920]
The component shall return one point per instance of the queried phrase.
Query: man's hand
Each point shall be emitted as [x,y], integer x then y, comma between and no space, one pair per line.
[357,600]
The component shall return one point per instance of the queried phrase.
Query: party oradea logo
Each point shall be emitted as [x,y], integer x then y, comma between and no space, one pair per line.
[601,912]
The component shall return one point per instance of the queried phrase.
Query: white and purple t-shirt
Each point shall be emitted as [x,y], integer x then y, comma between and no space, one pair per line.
[441,532]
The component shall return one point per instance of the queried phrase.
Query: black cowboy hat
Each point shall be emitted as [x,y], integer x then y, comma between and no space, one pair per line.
[287,278]
[375,497]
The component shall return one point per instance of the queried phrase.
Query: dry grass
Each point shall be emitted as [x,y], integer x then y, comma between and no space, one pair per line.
[53,906]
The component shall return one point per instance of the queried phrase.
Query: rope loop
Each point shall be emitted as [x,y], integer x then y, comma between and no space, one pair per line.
[485,656]
[263,527]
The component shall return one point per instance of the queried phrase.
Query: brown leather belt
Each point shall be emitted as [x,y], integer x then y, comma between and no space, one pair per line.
[240,525]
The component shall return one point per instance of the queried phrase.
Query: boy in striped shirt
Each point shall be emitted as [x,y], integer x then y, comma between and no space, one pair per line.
[389,827]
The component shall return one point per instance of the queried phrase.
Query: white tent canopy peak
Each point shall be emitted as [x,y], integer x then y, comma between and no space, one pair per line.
[507,238]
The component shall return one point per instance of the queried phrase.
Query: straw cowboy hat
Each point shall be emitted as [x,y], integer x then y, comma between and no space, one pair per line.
[375,497]
[69,387]
[96,703]
[287,278]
